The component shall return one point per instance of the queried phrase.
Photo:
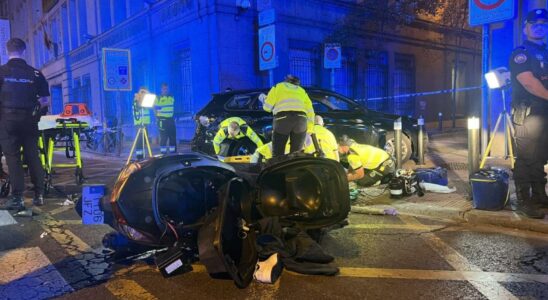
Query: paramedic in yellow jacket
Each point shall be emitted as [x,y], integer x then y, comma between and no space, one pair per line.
[264,152]
[293,114]
[326,139]
[230,130]
[368,165]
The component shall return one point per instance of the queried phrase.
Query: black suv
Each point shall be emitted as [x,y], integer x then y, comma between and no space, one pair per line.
[341,115]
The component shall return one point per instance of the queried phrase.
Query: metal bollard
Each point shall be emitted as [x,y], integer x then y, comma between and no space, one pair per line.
[440,121]
[420,123]
[473,145]
[397,138]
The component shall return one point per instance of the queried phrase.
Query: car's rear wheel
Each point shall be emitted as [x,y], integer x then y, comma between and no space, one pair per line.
[406,150]
[243,146]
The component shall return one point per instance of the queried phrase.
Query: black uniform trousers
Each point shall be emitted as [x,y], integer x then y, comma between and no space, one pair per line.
[531,141]
[15,134]
[167,132]
[290,125]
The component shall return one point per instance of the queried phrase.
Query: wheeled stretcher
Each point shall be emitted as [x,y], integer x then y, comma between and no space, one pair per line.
[64,135]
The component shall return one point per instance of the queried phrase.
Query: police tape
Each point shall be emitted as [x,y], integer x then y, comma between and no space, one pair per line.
[422,94]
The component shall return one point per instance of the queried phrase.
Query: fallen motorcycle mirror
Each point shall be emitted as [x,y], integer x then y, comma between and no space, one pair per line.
[201,208]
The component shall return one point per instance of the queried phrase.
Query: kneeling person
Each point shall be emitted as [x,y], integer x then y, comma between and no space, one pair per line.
[230,130]
[368,165]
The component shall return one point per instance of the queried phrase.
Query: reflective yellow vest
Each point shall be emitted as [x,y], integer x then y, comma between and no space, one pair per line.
[285,96]
[165,107]
[327,142]
[245,130]
[265,151]
[366,156]
[141,116]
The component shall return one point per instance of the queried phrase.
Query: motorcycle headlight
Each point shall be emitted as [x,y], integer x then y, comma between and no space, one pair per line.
[133,233]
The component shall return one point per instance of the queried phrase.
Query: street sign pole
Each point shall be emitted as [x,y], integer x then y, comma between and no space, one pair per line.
[333,79]
[485,114]
[271,77]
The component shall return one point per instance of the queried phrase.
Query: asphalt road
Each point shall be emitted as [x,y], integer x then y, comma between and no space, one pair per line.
[380,257]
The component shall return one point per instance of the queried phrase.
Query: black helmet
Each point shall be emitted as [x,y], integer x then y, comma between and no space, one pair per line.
[292,79]
[535,15]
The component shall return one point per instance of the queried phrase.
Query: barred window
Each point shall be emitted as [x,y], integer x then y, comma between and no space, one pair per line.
[303,64]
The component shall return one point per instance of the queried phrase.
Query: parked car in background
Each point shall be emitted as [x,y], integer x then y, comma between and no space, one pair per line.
[341,115]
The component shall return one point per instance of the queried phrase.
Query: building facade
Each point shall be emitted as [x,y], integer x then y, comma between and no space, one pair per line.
[200,47]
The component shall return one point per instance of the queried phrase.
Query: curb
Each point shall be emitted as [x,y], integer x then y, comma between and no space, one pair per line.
[506,219]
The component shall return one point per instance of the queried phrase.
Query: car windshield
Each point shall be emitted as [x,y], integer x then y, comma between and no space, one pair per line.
[321,103]
[242,101]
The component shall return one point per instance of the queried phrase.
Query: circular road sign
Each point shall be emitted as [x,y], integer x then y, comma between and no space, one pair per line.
[488,6]
[332,54]
[267,51]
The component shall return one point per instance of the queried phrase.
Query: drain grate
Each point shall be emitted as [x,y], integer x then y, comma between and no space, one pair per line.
[456,166]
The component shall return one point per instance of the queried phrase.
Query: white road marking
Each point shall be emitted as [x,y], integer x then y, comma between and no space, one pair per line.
[28,274]
[6,218]
[490,289]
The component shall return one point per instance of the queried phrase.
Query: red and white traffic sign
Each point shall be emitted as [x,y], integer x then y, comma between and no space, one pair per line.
[267,48]
[332,56]
[490,11]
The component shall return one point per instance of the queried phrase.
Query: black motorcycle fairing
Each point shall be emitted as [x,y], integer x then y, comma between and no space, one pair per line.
[226,244]
[309,191]
[135,195]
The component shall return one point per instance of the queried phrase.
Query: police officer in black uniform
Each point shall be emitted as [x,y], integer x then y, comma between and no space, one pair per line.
[23,92]
[529,69]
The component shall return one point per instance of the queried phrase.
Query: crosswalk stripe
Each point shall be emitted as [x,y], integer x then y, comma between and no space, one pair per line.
[28,274]
[394,226]
[128,289]
[441,275]
[6,218]
[490,289]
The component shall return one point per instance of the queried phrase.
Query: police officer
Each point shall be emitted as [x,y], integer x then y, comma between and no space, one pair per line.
[529,69]
[368,165]
[23,92]
[141,117]
[231,129]
[165,107]
[293,115]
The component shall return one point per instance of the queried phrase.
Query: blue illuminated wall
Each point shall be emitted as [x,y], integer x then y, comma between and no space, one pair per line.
[200,47]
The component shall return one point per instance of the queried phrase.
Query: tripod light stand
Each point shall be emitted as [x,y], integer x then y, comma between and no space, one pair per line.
[142,133]
[500,79]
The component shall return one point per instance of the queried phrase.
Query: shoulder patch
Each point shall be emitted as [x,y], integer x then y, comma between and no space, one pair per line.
[520,58]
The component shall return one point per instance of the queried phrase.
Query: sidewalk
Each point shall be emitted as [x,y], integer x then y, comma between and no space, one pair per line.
[449,151]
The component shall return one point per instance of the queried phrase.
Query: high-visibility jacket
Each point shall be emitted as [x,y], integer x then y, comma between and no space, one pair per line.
[285,96]
[245,130]
[265,151]
[366,156]
[327,142]
[165,107]
[141,115]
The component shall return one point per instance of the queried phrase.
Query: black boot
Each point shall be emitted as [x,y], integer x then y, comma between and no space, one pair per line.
[524,202]
[12,203]
[539,194]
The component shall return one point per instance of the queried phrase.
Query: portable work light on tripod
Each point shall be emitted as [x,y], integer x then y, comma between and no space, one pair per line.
[147,102]
[500,79]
